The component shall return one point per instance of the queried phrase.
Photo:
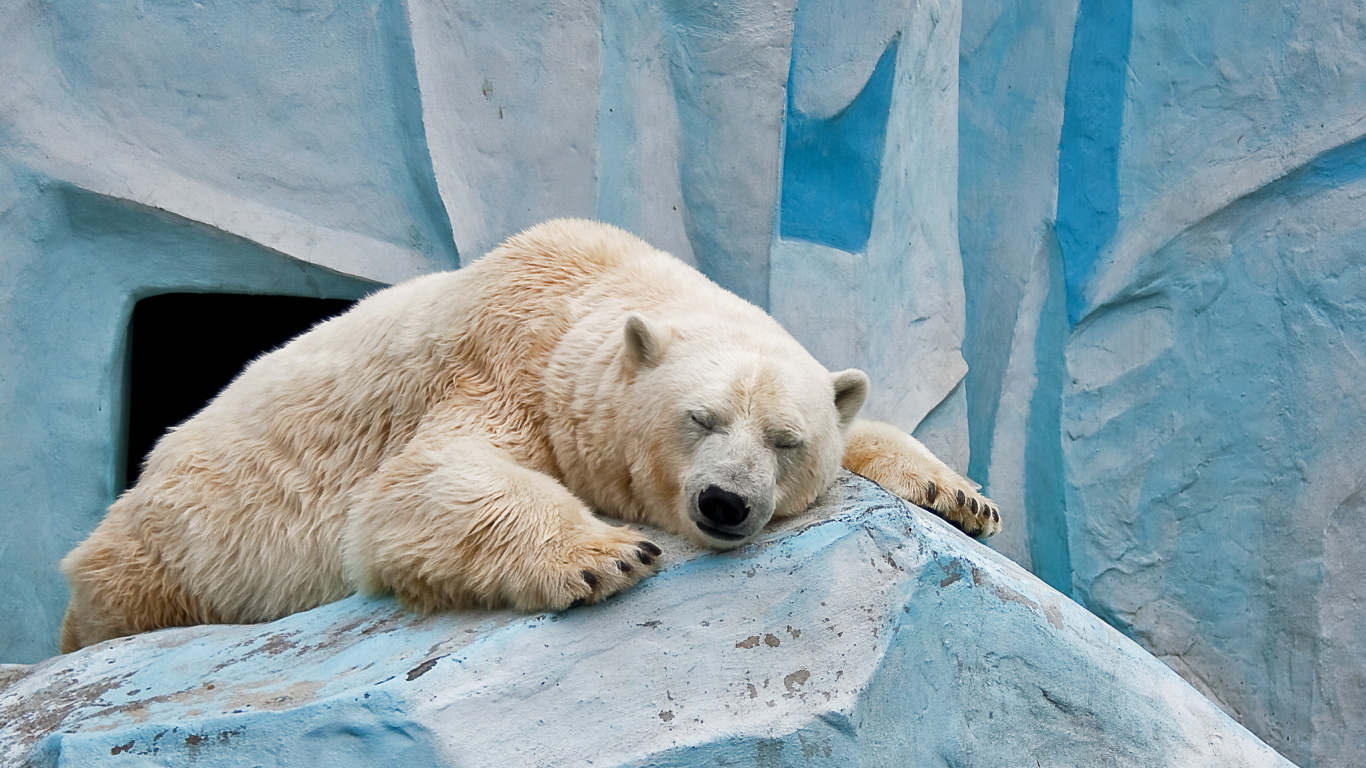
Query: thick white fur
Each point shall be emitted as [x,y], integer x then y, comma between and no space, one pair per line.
[446,439]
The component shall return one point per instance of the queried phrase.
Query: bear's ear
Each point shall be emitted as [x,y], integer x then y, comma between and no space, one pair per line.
[645,341]
[851,389]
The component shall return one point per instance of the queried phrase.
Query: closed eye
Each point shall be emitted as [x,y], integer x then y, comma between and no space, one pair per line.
[704,420]
[785,441]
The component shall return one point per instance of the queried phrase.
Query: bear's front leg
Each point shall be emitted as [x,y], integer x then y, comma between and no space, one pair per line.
[901,464]
[457,523]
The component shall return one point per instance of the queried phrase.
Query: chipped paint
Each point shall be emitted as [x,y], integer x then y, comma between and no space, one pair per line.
[422,669]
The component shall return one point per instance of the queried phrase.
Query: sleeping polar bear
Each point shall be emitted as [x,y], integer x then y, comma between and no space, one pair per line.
[447,439]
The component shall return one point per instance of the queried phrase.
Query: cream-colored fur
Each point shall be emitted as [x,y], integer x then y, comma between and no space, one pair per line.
[446,439]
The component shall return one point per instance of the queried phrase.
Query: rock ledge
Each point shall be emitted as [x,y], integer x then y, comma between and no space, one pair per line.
[875,636]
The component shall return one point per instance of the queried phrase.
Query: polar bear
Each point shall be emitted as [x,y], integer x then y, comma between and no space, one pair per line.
[448,439]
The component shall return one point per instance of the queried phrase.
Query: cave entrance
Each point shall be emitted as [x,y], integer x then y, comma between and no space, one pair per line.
[185,347]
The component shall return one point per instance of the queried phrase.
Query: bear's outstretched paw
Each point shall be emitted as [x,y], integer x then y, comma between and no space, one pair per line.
[901,464]
[953,499]
[598,563]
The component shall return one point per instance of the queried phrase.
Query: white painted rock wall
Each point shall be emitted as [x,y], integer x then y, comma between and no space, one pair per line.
[1162,238]
[877,637]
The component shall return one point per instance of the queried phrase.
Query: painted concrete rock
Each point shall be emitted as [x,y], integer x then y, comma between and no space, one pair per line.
[876,636]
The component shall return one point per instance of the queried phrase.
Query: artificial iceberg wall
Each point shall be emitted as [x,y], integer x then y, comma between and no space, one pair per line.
[1165,231]
[1103,255]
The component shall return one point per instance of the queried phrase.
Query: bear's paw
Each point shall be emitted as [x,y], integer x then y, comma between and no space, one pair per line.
[899,463]
[584,567]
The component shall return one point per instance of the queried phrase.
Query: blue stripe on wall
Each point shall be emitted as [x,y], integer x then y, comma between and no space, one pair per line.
[1088,152]
[832,166]
[1049,546]
[401,65]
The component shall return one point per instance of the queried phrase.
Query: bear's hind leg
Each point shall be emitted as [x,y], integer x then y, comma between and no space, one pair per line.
[120,587]
[459,523]
[898,462]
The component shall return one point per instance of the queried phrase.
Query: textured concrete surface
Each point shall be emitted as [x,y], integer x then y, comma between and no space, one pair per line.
[1165,334]
[865,269]
[877,637]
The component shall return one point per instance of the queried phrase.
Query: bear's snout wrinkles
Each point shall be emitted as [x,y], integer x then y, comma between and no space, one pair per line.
[722,507]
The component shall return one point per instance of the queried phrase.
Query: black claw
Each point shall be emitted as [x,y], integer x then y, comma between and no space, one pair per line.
[578,603]
[650,547]
[995,515]
[624,566]
[962,498]
[972,504]
[591,578]
[931,493]
[644,557]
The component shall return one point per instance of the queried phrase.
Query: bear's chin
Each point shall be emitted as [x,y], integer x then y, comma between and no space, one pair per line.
[725,539]
[718,539]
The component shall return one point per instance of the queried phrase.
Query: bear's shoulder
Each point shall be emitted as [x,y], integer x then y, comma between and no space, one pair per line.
[573,244]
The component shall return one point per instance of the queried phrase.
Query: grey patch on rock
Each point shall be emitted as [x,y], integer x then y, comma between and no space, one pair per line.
[796,680]
[423,668]
[1008,595]
[10,673]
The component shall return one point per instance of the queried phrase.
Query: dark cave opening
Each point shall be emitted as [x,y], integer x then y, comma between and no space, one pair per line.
[186,347]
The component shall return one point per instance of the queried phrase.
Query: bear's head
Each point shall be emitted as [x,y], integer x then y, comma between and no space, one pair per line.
[732,425]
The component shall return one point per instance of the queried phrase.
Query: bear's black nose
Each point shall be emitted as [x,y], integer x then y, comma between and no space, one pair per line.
[722,507]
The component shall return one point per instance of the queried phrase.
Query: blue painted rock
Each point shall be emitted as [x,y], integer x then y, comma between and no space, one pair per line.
[869,633]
